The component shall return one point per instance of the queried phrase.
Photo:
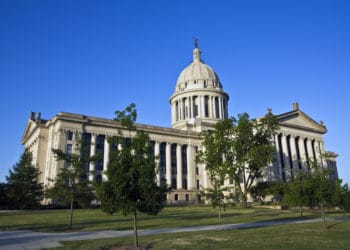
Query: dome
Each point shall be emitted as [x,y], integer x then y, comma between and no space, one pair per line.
[197,74]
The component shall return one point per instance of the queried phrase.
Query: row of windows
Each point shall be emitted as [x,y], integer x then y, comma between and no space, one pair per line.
[99,150]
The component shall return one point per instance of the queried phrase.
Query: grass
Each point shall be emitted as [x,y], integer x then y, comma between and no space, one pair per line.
[95,219]
[298,236]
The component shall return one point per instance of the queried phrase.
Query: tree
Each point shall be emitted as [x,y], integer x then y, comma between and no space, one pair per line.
[345,198]
[4,200]
[216,195]
[24,188]
[240,149]
[71,184]
[131,186]
[323,191]
[298,193]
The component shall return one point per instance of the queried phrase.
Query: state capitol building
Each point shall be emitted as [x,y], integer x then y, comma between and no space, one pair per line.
[198,102]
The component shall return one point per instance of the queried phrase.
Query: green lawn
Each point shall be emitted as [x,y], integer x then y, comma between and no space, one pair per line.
[301,236]
[94,219]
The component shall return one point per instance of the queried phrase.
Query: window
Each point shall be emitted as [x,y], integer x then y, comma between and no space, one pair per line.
[98,179]
[69,152]
[69,149]
[69,135]
[198,186]
[187,197]
[176,197]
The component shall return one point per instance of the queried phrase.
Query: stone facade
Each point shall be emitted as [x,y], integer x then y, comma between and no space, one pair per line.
[197,104]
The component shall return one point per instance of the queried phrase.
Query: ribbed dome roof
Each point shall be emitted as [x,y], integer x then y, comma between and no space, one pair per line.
[197,72]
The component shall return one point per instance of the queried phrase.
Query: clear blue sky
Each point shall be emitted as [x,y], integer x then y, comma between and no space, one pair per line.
[95,57]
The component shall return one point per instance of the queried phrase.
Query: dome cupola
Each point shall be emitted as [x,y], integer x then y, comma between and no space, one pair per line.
[198,97]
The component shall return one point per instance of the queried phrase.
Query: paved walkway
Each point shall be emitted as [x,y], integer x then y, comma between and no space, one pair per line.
[25,239]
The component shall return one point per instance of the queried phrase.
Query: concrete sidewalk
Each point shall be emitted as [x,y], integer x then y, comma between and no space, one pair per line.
[25,239]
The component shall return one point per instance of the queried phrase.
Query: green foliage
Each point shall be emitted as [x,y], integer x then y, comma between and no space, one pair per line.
[131,186]
[239,148]
[71,184]
[24,190]
[4,200]
[315,189]
[345,197]
[216,195]
[263,189]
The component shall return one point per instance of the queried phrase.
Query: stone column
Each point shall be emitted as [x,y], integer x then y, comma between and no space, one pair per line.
[214,107]
[322,152]
[302,154]
[319,153]
[210,106]
[168,163]
[220,108]
[279,169]
[156,154]
[190,166]
[180,109]
[190,107]
[309,152]
[293,151]
[202,106]
[105,157]
[178,167]
[92,153]
[286,157]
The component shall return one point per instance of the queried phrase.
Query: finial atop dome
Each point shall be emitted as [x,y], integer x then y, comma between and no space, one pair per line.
[196,51]
[195,42]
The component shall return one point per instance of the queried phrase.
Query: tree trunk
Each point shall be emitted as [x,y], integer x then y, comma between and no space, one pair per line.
[323,217]
[219,214]
[244,200]
[301,211]
[136,240]
[71,216]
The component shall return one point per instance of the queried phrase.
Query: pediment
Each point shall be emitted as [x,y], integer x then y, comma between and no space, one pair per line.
[28,130]
[300,120]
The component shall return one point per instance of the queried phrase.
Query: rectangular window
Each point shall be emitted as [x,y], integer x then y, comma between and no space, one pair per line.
[176,197]
[69,149]
[69,152]
[198,186]
[69,135]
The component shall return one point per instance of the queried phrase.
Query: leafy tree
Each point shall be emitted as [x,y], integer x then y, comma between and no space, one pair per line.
[131,186]
[71,184]
[323,191]
[24,188]
[239,148]
[263,189]
[298,193]
[216,195]
[345,198]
